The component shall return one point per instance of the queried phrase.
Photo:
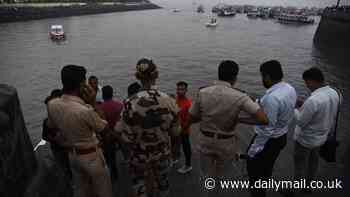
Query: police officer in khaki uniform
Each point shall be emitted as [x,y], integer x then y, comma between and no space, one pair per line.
[75,116]
[217,108]
[148,120]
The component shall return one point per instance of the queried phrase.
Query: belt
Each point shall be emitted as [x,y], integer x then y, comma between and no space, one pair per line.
[83,151]
[219,136]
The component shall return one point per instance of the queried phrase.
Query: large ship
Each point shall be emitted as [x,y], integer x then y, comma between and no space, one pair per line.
[334,27]
[295,18]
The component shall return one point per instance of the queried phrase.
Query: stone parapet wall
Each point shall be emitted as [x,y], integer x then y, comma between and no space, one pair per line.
[23,13]
[18,164]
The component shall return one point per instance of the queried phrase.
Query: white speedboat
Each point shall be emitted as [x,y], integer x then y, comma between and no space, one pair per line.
[56,32]
[212,22]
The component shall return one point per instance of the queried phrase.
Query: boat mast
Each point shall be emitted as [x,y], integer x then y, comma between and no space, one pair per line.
[338,3]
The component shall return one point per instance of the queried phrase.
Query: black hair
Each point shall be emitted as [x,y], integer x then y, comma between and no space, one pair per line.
[172,96]
[56,93]
[93,77]
[314,74]
[133,88]
[273,69]
[72,76]
[182,83]
[107,92]
[228,70]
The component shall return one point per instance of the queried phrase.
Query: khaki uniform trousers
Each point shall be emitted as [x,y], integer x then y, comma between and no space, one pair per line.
[90,174]
[216,157]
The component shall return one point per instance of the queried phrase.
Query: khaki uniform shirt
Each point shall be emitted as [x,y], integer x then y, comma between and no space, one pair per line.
[218,107]
[147,120]
[77,120]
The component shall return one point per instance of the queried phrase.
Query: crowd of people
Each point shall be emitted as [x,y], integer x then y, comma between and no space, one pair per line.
[85,124]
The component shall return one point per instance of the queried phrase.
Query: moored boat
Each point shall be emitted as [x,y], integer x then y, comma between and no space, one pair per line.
[253,14]
[295,18]
[212,22]
[226,12]
[200,9]
[56,32]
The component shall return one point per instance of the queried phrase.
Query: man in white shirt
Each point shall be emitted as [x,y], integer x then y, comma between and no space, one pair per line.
[278,103]
[315,121]
[93,82]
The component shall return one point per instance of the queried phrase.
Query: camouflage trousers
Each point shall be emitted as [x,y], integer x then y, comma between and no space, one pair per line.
[150,180]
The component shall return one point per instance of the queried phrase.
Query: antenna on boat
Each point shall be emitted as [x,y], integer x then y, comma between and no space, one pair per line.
[338,3]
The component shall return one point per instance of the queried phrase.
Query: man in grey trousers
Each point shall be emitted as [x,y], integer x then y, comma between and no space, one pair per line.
[315,122]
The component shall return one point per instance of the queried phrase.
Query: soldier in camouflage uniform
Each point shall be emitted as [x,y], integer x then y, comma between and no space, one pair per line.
[148,120]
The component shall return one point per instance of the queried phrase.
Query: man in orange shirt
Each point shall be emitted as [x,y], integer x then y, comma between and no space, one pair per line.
[184,104]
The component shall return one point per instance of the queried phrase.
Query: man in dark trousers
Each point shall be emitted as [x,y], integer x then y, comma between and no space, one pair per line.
[111,109]
[184,104]
[278,103]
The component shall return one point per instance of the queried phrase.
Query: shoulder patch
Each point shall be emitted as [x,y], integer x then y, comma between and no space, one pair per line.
[202,87]
[240,90]
[253,97]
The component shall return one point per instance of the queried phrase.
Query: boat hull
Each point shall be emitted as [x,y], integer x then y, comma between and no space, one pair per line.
[57,36]
[211,24]
[252,15]
[227,15]
[296,19]
[333,30]
[295,22]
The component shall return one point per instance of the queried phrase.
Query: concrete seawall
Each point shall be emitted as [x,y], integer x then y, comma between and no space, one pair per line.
[22,13]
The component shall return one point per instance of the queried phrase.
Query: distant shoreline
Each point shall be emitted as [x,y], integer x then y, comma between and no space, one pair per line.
[25,12]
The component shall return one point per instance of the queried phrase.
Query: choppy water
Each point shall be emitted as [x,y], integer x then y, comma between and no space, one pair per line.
[109,45]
